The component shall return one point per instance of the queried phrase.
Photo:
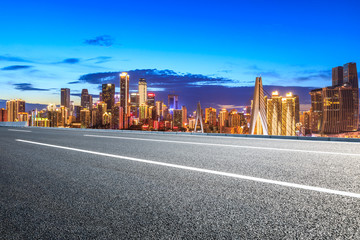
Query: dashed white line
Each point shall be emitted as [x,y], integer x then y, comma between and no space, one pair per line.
[17,130]
[225,145]
[201,170]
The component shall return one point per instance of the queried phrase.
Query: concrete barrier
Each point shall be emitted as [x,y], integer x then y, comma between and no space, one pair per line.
[208,134]
[13,124]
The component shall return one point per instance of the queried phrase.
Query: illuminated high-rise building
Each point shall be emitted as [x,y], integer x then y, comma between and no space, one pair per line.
[274,113]
[210,116]
[340,109]
[102,108]
[165,112]
[3,115]
[234,118]
[337,76]
[142,91]
[108,95]
[85,119]
[124,98]
[134,104]
[223,118]
[258,120]
[86,99]
[288,108]
[184,116]
[13,108]
[336,109]
[65,97]
[151,99]
[177,118]
[64,116]
[158,105]
[143,112]
[316,110]
[173,101]
[115,117]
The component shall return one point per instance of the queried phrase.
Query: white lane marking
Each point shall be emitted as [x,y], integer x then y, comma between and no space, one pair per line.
[224,145]
[17,130]
[219,173]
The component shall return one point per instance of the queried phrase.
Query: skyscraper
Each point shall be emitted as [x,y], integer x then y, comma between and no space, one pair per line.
[223,118]
[151,99]
[142,91]
[184,116]
[350,75]
[65,97]
[335,109]
[288,109]
[337,76]
[177,118]
[210,116]
[173,101]
[85,118]
[258,110]
[159,105]
[124,98]
[134,104]
[14,107]
[86,99]
[274,113]
[108,95]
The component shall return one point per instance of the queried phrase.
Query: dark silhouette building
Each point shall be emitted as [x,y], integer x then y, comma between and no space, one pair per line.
[65,97]
[108,95]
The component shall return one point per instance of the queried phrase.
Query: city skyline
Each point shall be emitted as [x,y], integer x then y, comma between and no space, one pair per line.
[228,52]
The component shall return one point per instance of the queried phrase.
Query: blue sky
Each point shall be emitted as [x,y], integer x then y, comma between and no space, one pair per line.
[47,44]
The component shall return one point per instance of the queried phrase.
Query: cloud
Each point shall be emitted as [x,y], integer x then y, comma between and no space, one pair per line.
[101,59]
[103,40]
[79,95]
[211,91]
[28,87]
[74,82]
[313,75]
[156,78]
[15,67]
[12,59]
[71,60]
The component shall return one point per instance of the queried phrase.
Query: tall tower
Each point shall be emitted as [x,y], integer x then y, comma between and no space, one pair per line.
[173,101]
[184,115]
[350,74]
[337,76]
[124,98]
[14,107]
[142,91]
[151,99]
[274,113]
[258,110]
[108,95]
[199,118]
[65,97]
[288,109]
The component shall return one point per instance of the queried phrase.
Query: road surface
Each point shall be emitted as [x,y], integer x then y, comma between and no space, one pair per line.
[67,184]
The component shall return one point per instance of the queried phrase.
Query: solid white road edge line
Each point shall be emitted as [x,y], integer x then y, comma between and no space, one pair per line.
[17,130]
[223,145]
[219,173]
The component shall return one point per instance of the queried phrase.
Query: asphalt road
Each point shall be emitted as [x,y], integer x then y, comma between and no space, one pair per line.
[71,184]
